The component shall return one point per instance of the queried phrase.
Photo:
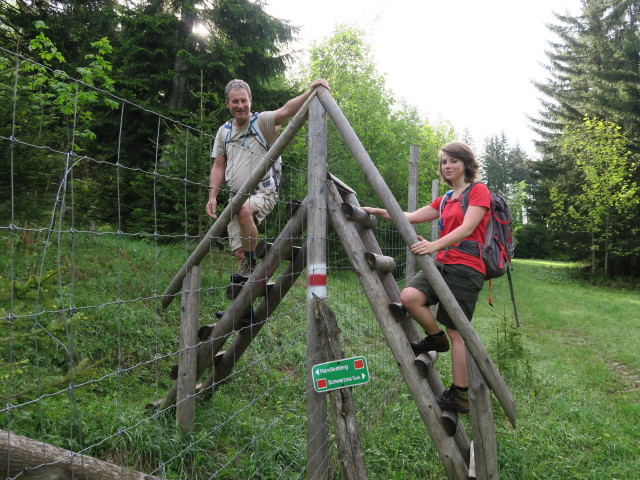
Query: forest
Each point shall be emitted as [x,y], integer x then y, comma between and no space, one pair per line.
[67,67]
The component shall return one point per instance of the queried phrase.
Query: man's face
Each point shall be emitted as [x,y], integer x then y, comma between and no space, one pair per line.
[239,105]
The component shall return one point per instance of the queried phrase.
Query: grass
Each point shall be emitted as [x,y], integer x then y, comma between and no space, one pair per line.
[572,367]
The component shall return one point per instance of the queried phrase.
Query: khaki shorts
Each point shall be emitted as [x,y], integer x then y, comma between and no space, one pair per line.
[465,284]
[262,203]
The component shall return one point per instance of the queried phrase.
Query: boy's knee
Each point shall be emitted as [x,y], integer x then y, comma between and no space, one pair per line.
[410,297]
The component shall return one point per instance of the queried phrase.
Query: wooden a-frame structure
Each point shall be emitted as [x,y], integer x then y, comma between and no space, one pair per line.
[201,347]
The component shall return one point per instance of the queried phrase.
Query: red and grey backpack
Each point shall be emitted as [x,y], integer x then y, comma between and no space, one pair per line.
[499,243]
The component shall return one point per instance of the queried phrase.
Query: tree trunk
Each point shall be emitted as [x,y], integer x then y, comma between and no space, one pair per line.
[34,460]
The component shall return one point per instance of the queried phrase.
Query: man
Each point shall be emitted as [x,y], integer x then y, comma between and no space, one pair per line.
[239,148]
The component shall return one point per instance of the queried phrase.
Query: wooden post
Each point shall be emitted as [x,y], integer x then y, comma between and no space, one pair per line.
[188,358]
[317,435]
[482,425]
[412,202]
[342,407]
[27,459]
[447,300]
[220,225]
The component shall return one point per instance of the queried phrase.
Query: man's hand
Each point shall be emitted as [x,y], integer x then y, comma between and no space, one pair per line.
[422,247]
[211,208]
[319,82]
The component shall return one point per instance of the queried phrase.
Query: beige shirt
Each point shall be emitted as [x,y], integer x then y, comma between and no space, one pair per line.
[244,152]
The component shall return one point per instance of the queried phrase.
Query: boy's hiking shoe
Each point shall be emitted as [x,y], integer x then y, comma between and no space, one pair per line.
[239,278]
[454,399]
[431,343]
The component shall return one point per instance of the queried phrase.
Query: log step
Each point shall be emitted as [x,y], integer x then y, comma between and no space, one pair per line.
[173,374]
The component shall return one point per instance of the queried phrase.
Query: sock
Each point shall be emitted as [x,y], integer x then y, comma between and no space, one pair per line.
[462,392]
[439,334]
[250,255]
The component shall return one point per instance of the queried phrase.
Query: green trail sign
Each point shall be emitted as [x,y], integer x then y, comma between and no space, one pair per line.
[340,373]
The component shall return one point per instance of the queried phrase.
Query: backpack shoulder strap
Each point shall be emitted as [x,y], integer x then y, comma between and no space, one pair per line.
[254,130]
[227,134]
[445,199]
[464,197]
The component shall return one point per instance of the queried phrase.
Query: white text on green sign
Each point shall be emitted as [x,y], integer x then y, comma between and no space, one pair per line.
[340,373]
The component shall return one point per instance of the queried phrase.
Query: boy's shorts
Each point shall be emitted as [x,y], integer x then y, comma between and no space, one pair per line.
[465,284]
[262,203]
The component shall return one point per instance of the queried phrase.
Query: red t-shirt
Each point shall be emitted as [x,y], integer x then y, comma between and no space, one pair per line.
[452,217]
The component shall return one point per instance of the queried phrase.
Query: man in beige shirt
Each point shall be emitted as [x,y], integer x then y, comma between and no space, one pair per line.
[239,148]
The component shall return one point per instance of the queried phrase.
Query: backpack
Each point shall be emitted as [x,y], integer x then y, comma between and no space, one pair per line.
[254,130]
[499,243]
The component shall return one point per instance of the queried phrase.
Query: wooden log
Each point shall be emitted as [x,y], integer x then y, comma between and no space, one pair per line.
[205,331]
[398,312]
[342,406]
[263,247]
[358,215]
[381,263]
[450,421]
[24,458]
[220,225]
[482,424]
[291,207]
[234,289]
[448,451]
[317,232]
[189,318]
[232,319]
[173,373]
[447,300]
[425,362]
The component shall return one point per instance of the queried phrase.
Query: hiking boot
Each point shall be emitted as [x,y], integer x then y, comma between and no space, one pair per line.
[453,399]
[431,343]
[239,278]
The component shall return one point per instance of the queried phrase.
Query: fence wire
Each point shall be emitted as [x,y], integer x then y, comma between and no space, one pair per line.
[86,346]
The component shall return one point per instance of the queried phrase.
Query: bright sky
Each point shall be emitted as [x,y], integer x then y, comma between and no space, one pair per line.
[468,61]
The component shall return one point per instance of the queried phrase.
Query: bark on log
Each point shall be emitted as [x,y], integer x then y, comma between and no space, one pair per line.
[34,460]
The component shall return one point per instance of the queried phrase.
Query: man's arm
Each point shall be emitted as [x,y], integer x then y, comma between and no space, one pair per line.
[290,108]
[215,180]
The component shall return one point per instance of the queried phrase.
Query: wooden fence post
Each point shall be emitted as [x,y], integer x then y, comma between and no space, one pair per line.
[188,358]
[317,435]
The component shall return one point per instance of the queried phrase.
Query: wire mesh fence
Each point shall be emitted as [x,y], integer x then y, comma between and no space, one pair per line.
[102,202]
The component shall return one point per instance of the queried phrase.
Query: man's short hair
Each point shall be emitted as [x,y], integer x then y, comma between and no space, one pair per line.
[236,84]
